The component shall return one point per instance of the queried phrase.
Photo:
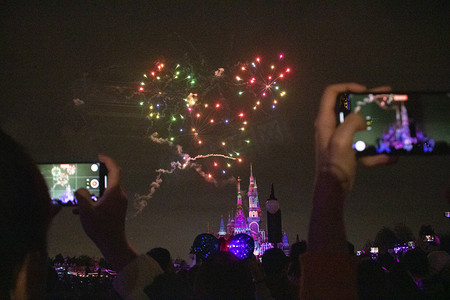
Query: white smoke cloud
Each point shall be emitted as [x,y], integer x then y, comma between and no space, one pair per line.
[141,201]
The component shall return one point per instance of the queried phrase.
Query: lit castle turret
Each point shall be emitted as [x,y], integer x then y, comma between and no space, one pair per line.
[240,224]
[250,225]
[253,207]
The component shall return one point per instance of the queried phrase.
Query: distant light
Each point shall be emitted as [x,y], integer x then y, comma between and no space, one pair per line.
[400,97]
[141,89]
[360,146]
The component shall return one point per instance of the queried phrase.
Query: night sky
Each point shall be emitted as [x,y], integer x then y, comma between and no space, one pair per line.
[46,49]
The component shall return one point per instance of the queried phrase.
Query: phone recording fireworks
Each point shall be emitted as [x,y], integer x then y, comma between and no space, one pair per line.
[399,123]
[63,179]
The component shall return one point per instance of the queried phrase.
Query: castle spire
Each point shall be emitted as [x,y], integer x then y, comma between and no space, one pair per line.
[240,224]
[222,231]
[272,194]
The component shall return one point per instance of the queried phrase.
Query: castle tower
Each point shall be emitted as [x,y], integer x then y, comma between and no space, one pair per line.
[222,231]
[273,219]
[285,246]
[253,207]
[240,224]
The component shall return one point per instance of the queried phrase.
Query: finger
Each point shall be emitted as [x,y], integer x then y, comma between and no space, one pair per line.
[382,159]
[343,136]
[113,170]
[383,88]
[325,123]
[85,202]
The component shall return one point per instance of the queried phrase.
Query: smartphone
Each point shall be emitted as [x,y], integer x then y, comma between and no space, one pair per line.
[399,123]
[63,179]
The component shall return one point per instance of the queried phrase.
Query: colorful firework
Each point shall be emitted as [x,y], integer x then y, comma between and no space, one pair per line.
[210,113]
[203,113]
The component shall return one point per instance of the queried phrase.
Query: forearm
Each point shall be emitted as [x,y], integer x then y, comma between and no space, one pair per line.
[117,251]
[326,228]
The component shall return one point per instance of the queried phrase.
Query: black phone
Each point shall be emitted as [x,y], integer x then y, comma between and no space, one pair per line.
[399,123]
[63,179]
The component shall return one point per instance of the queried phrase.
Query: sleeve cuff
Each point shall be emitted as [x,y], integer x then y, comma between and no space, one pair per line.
[134,277]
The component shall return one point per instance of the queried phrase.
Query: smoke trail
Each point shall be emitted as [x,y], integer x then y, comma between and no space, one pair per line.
[141,201]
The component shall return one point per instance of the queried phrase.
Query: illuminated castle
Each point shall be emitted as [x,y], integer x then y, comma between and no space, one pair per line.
[249,225]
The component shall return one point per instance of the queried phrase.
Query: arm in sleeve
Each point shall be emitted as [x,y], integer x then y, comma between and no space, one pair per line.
[134,277]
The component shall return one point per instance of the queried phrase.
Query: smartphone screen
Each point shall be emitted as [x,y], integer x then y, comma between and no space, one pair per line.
[63,179]
[399,123]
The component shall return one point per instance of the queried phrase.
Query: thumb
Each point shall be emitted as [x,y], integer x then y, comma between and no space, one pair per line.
[343,136]
[84,200]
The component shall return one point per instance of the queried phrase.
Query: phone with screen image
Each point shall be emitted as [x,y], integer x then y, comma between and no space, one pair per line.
[399,123]
[63,179]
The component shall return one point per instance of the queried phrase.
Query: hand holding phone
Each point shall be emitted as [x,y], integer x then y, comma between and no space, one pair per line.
[399,123]
[63,179]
